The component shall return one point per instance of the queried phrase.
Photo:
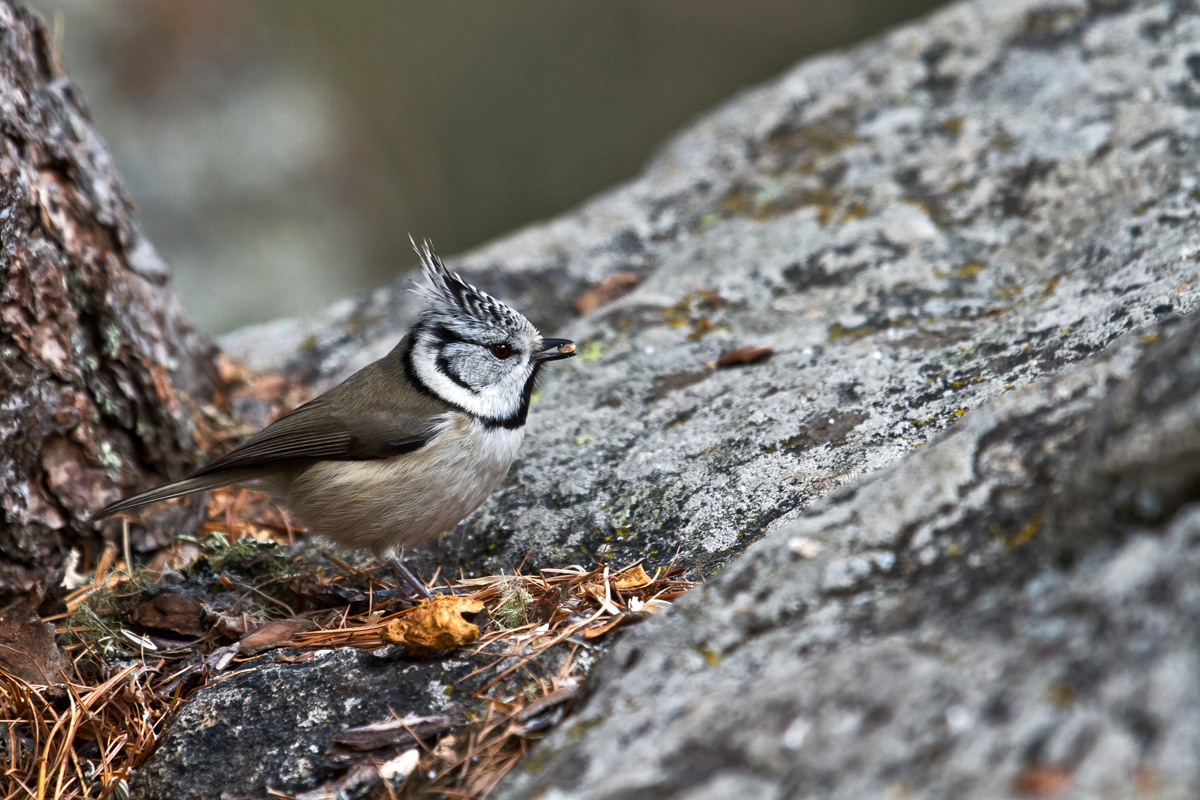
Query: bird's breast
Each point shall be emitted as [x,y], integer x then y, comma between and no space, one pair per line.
[387,504]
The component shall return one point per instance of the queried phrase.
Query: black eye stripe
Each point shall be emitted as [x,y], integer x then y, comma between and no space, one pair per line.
[443,365]
[445,335]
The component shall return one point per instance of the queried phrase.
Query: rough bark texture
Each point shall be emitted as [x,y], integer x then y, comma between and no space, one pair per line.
[100,372]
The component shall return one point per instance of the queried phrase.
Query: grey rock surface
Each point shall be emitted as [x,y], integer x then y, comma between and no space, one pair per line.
[915,226]
[943,230]
[271,725]
[1011,611]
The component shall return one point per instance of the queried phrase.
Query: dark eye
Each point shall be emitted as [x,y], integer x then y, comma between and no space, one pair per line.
[501,350]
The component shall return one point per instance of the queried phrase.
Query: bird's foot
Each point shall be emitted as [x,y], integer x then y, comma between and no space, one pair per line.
[417,590]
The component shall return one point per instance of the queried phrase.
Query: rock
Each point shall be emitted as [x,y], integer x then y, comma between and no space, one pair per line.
[940,235]
[915,226]
[270,725]
[1025,635]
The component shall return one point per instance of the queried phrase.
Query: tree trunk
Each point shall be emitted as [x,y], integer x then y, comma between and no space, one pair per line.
[101,371]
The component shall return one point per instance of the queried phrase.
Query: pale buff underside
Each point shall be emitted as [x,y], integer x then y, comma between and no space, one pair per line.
[389,504]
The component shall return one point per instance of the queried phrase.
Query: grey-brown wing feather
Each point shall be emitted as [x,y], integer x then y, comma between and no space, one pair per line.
[373,414]
[316,432]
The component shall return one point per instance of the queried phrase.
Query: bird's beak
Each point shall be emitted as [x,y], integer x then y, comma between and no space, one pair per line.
[554,349]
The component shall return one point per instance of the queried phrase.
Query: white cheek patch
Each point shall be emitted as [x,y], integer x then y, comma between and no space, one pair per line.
[501,400]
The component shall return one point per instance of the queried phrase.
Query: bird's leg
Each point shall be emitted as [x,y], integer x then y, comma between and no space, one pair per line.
[409,578]
[414,587]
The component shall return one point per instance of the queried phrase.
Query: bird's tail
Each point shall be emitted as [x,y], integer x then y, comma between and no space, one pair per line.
[175,489]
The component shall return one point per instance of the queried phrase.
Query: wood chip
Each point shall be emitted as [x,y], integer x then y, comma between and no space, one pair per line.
[744,355]
[607,290]
[437,625]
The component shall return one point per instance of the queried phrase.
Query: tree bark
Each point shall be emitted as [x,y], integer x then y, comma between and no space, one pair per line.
[101,372]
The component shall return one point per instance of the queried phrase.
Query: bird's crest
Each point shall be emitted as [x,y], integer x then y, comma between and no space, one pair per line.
[456,299]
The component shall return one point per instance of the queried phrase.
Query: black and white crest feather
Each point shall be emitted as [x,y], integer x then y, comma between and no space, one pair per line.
[471,350]
[461,302]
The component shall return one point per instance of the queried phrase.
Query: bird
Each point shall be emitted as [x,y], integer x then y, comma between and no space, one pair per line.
[407,447]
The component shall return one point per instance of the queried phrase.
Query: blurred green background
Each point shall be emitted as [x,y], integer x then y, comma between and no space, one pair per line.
[280,151]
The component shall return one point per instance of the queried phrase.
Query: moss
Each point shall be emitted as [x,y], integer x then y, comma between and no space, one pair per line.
[248,556]
[1050,24]
[1061,695]
[101,616]
[112,341]
[513,610]
[820,138]
[680,419]
[1003,142]
[832,204]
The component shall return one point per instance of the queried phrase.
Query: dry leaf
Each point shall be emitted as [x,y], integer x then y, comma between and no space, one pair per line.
[606,291]
[598,592]
[603,628]
[273,633]
[634,578]
[437,624]
[28,649]
[744,355]
[172,612]
[1041,781]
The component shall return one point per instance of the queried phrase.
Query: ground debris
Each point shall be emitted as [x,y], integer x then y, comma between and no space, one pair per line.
[743,355]
[28,650]
[607,290]
[437,625]
[273,633]
[136,645]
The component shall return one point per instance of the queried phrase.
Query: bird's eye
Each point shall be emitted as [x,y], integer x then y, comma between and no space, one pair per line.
[501,350]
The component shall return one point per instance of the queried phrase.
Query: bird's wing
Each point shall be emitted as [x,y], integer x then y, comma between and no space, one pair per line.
[316,432]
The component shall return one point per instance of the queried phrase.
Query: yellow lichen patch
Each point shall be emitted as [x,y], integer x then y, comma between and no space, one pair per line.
[952,125]
[592,351]
[962,271]
[1061,694]
[1027,532]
